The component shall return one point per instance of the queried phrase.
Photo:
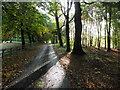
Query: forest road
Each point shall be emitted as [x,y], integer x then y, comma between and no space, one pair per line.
[45,66]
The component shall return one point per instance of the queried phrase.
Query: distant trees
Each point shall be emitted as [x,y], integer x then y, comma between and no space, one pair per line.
[53,9]
[111,17]
[24,20]
[103,14]
[116,28]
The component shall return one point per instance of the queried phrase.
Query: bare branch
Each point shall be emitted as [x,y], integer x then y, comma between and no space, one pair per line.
[60,15]
[70,5]
[72,18]
[63,24]
[63,12]
[68,9]
[87,3]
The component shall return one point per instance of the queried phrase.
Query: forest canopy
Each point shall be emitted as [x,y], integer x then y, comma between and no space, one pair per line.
[53,22]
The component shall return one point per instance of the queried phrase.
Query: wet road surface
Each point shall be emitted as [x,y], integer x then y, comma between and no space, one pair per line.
[44,71]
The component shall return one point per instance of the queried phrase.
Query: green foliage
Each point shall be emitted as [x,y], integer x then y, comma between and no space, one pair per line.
[57,45]
[33,21]
[41,25]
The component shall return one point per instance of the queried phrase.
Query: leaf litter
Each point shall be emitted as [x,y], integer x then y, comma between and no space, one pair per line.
[92,70]
[14,64]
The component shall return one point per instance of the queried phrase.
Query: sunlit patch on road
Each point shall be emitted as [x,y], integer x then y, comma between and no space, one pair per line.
[55,76]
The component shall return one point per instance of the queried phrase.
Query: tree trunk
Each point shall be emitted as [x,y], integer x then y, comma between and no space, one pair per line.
[105,39]
[38,38]
[22,37]
[10,40]
[53,39]
[116,39]
[86,40]
[77,49]
[108,32]
[99,35]
[56,40]
[67,29]
[98,40]
[33,40]
[106,26]
[29,37]
[58,30]
[91,41]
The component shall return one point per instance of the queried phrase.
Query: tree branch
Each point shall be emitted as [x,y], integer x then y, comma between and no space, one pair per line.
[60,15]
[51,14]
[88,3]
[70,5]
[63,24]
[63,12]
[71,18]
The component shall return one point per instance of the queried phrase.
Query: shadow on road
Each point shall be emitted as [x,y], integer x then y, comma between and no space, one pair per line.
[48,60]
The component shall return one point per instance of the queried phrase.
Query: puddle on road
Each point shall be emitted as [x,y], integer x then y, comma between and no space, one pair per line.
[52,79]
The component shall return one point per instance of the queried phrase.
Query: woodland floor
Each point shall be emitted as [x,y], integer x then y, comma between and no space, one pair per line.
[96,69]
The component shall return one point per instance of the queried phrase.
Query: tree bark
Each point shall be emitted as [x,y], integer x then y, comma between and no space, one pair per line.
[33,40]
[22,37]
[77,49]
[99,35]
[105,39]
[91,41]
[38,38]
[98,40]
[106,25]
[67,29]
[56,40]
[108,32]
[10,40]
[29,37]
[53,39]
[58,30]
[115,41]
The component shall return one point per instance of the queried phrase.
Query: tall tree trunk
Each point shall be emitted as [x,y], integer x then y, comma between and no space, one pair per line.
[67,29]
[95,42]
[108,32]
[10,40]
[98,40]
[86,40]
[106,25]
[105,39]
[99,35]
[22,37]
[53,41]
[33,40]
[91,40]
[38,38]
[115,41]
[56,40]
[77,49]
[58,29]
[29,37]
